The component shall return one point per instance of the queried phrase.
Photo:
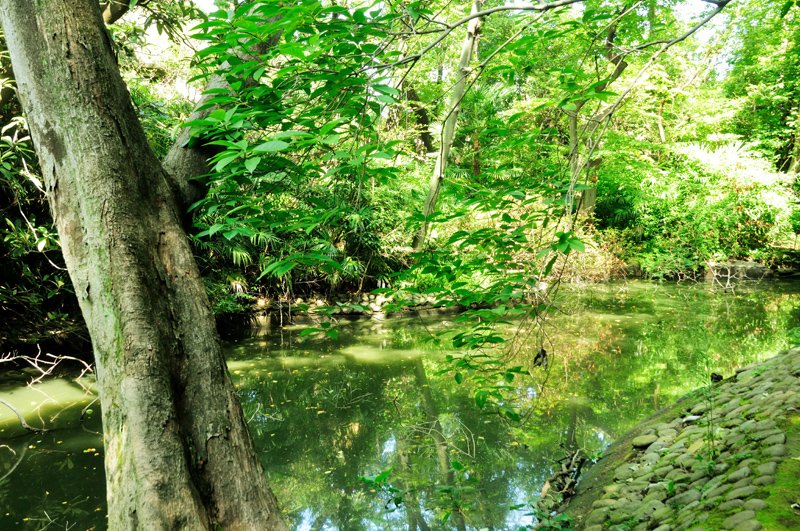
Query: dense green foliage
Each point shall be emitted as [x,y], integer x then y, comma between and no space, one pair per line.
[593,140]
[613,131]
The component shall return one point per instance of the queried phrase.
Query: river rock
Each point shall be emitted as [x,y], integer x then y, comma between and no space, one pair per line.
[738,518]
[767,468]
[598,516]
[755,504]
[729,505]
[778,438]
[742,492]
[777,450]
[643,441]
[749,525]
[685,499]
[603,502]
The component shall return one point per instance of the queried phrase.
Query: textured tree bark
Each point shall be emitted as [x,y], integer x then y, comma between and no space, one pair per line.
[178,454]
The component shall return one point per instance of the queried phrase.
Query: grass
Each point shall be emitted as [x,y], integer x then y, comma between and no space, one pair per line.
[779,514]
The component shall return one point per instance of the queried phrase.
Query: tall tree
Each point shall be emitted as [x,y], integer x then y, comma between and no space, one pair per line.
[178,454]
[449,125]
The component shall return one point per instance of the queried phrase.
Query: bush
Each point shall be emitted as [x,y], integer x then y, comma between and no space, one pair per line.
[674,216]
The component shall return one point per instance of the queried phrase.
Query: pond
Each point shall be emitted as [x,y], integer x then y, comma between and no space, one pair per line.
[369,431]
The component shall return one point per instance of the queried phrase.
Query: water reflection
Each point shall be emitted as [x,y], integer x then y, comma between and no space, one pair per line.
[367,432]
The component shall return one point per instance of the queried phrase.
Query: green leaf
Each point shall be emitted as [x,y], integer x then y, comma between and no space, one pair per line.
[252,163]
[223,162]
[458,377]
[481,397]
[271,146]
[386,89]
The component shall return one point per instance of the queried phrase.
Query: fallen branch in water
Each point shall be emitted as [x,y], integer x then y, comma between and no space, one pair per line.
[46,364]
[21,418]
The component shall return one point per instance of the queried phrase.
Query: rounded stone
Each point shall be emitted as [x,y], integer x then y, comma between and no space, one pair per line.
[767,468]
[748,525]
[643,441]
[777,450]
[624,472]
[742,483]
[738,518]
[778,438]
[764,480]
[598,516]
[739,474]
[685,499]
[755,504]
[730,505]
[603,503]
[742,492]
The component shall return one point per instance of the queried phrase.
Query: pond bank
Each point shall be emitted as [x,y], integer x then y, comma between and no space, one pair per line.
[723,457]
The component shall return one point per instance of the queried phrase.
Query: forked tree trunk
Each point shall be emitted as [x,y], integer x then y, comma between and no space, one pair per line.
[178,454]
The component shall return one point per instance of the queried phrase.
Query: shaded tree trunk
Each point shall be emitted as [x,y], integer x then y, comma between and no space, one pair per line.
[422,118]
[178,454]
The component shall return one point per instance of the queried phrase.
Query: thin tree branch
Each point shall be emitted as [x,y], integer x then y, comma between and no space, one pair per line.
[448,28]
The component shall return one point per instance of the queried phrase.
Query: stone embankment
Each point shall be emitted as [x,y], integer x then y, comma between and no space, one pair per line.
[724,457]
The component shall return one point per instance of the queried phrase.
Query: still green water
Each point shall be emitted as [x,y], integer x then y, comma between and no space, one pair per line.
[367,432]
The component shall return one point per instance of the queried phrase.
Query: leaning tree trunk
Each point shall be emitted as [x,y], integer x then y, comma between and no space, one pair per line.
[449,126]
[178,454]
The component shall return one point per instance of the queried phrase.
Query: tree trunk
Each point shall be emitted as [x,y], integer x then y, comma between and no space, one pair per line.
[422,119]
[449,126]
[178,454]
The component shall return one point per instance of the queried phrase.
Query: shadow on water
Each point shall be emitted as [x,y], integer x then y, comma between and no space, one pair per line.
[367,432]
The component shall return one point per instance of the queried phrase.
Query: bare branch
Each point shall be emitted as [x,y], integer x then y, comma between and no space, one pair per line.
[448,28]
[19,460]
[21,418]
[669,42]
